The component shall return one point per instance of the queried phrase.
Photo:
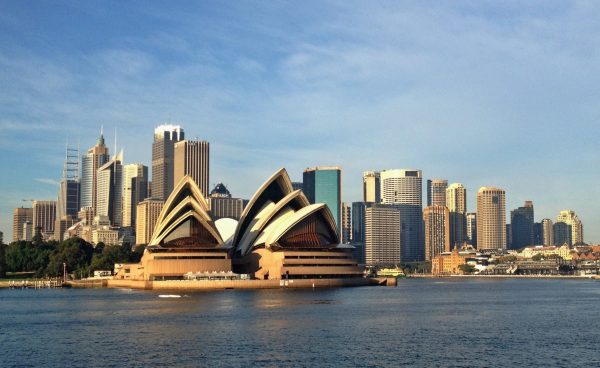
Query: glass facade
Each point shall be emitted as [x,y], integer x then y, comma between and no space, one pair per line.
[324,186]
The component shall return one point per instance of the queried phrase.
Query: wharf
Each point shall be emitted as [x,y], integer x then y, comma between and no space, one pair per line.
[201,285]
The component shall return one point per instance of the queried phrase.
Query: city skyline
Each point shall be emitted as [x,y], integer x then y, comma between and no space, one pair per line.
[525,114]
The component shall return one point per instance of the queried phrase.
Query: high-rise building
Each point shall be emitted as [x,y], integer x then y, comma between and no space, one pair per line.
[491,218]
[192,158]
[21,216]
[548,234]
[61,225]
[538,233]
[135,190]
[456,201]
[521,222]
[562,233]
[109,195]
[570,218]
[346,223]
[163,151]
[324,185]
[472,229]
[90,163]
[382,235]
[68,193]
[436,192]
[148,212]
[358,229]
[371,187]
[297,185]
[28,231]
[44,216]
[403,189]
[437,231]
[222,205]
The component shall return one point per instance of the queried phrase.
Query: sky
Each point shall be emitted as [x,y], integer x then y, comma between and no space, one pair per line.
[484,93]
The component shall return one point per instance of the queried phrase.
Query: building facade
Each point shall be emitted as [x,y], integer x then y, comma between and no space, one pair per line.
[109,195]
[570,218]
[456,201]
[382,235]
[163,151]
[95,158]
[20,217]
[403,189]
[222,205]
[491,218]
[193,158]
[135,190]
[548,234]
[148,212]
[437,231]
[562,233]
[472,229]
[436,192]
[521,222]
[371,187]
[323,184]
[346,223]
[44,217]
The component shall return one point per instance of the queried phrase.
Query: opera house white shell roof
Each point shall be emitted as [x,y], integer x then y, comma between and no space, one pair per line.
[275,217]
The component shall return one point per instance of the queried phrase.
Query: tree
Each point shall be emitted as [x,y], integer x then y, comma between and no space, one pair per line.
[138,252]
[2,260]
[75,252]
[467,269]
[110,255]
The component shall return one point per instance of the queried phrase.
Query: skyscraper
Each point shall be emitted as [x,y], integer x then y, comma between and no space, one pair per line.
[456,201]
[346,223]
[192,158]
[570,218]
[437,231]
[403,189]
[472,229]
[436,192]
[521,222]
[358,229]
[135,190]
[491,218]
[382,235]
[323,184]
[371,187]
[163,150]
[90,163]
[20,217]
[148,211]
[562,233]
[222,205]
[538,233]
[68,193]
[548,235]
[109,195]
[44,216]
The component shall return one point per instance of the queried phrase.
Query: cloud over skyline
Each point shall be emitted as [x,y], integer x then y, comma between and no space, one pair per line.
[482,93]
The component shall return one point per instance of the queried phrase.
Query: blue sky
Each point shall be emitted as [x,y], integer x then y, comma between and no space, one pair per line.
[485,93]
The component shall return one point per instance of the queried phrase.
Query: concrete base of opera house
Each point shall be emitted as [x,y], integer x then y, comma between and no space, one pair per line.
[205,285]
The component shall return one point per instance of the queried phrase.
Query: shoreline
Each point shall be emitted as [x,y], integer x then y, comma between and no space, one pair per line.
[572,277]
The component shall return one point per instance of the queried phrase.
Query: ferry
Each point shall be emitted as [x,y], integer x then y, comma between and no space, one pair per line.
[390,272]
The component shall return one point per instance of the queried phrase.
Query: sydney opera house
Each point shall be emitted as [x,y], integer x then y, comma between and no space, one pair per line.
[280,236]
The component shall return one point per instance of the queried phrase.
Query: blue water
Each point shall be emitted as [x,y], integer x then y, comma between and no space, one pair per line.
[426,323]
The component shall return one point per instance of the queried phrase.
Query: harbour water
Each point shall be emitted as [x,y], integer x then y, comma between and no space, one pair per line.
[422,322]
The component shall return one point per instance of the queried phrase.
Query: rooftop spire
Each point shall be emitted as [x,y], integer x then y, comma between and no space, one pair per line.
[100,141]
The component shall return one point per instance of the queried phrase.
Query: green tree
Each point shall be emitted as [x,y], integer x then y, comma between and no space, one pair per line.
[467,268]
[137,253]
[75,252]
[2,260]
[110,255]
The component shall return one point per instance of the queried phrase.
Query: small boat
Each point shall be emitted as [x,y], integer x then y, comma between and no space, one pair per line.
[169,296]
